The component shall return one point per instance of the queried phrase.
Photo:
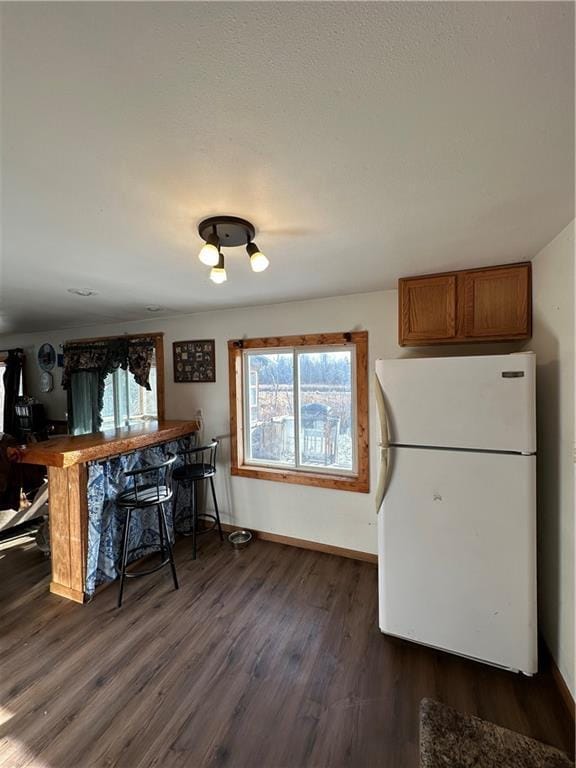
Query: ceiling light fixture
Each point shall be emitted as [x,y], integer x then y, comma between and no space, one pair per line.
[228,232]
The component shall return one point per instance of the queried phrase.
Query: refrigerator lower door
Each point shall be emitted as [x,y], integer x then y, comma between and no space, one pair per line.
[457,554]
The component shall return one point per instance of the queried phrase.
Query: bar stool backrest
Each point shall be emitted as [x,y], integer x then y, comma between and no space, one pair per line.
[203,454]
[154,476]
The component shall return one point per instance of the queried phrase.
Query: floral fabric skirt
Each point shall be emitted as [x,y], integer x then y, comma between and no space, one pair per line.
[106,522]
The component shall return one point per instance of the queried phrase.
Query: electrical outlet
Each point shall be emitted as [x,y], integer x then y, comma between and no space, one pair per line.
[199,413]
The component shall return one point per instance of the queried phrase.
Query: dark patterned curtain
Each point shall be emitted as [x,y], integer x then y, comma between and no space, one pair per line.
[12,378]
[101,358]
[140,356]
[91,356]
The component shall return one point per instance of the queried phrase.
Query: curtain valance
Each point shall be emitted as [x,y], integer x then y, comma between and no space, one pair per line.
[107,355]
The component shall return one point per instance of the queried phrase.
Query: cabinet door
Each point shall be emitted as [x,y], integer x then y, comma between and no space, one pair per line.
[497,303]
[427,309]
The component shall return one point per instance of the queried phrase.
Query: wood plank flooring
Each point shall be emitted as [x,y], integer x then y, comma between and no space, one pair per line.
[270,658]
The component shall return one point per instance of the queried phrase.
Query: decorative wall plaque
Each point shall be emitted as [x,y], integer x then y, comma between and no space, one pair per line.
[46,357]
[194,361]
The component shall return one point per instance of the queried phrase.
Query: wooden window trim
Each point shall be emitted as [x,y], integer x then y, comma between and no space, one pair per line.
[160,377]
[359,482]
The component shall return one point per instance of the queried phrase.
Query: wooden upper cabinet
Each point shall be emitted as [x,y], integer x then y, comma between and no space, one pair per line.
[497,303]
[489,304]
[428,308]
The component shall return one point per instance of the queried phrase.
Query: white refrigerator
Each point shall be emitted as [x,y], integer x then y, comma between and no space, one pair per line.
[457,505]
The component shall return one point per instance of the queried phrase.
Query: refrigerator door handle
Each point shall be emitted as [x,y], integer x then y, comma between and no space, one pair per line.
[384,446]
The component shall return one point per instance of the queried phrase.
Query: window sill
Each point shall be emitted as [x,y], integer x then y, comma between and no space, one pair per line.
[318,479]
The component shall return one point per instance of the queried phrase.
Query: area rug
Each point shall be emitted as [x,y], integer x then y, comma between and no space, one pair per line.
[450,739]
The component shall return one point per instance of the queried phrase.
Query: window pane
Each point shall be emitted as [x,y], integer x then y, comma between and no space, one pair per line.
[326,417]
[122,397]
[142,402]
[108,407]
[269,407]
[126,402]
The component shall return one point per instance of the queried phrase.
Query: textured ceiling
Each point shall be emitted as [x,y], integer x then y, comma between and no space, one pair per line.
[365,141]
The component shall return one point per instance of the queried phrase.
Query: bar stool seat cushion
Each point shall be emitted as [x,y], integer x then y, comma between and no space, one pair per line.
[148,496]
[194,471]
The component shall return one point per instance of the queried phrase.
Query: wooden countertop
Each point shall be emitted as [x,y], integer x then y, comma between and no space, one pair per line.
[66,451]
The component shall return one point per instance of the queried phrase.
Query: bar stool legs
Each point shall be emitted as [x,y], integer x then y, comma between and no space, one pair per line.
[216,509]
[194,505]
[161,530]
[162,515]
[166,554]
[124,555]
[195,515]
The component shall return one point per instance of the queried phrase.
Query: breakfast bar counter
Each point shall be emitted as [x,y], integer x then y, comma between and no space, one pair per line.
[68,460]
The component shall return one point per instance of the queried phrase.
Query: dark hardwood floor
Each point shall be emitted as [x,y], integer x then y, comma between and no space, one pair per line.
[265,658]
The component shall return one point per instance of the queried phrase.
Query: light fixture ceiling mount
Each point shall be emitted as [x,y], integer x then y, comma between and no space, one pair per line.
[228,232]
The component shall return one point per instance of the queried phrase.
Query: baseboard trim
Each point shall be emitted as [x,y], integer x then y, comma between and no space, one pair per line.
[559,682]
[316,546]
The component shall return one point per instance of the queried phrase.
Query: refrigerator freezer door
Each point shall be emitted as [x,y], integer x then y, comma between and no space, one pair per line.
[457,554]
[482,403]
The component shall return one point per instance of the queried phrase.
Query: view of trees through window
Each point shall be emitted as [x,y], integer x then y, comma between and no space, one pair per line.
[317,384]
[126,402]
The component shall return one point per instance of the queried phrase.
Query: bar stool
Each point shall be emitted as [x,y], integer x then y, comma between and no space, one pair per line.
[152,487]
[199,465]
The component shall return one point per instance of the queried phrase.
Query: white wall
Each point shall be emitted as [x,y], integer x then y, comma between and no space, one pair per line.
[340,518]
[553,342]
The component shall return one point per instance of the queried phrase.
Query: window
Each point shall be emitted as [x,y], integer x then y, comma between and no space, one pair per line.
[126,403]
[299,410]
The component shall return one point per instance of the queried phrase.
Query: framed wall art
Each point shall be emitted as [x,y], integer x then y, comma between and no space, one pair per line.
[194,361]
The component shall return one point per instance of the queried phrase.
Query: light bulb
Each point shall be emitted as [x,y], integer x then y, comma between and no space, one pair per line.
[218,272]
[258,261]
[209,255]
[218,275]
